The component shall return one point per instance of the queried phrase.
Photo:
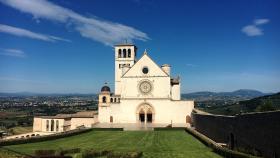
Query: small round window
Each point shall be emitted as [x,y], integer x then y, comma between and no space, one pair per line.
[145,70]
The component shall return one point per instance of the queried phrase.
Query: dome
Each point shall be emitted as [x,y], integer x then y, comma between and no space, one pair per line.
[105,89]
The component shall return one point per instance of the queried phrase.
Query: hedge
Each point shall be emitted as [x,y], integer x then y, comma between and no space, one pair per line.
[227,153]
[56,153]
[69,151]
[169,128]
[90,153]
[43,138]
[107,129]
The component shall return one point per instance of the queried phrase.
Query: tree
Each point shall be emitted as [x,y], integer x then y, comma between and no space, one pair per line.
[266,106]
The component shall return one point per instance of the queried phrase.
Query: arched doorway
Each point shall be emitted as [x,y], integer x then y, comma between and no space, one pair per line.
[142,115]
[149,116]
[188,119]
[145,113]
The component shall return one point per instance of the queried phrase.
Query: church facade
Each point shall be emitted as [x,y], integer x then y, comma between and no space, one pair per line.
[144,92]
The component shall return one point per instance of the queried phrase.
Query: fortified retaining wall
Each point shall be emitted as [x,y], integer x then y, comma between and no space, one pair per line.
[257,133]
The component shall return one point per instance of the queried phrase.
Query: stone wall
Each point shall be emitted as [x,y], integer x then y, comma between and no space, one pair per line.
[257,133]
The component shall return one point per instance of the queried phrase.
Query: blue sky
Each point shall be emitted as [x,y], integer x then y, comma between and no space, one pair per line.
[66,46]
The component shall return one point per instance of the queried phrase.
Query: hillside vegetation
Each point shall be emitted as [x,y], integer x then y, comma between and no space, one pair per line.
[259,104]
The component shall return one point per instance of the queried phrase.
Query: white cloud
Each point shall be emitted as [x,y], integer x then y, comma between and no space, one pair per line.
[103,31]
[59,39]
[13,53]
[261,21]
[254,29]
[26,33]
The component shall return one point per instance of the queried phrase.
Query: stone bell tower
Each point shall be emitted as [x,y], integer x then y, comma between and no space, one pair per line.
[125,56]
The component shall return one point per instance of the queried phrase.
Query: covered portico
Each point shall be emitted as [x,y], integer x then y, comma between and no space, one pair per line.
[145,113]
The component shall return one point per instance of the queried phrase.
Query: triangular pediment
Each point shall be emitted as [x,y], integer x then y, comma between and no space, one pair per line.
[145,62]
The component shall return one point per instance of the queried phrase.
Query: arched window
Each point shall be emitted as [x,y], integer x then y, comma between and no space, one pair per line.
[129,53]
[104,99]
[47,125]
[52,125]
[111,119]
[124,53]
[120,53]
[115,100]
[57,125]
[111,100]
[119,99]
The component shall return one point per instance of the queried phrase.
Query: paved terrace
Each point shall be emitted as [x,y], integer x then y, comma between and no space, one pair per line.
[135,126]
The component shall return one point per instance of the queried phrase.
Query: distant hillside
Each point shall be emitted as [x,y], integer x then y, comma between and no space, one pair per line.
[259,104]
[242,94]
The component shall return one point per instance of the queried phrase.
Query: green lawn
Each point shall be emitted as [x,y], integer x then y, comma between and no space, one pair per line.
[151,143]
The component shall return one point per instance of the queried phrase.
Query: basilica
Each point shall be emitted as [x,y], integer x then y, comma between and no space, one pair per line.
[144,92]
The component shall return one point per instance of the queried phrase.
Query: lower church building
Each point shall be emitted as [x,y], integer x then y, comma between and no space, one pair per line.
[144,92]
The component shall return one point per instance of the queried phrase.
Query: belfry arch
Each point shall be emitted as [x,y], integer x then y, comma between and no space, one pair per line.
[145,113]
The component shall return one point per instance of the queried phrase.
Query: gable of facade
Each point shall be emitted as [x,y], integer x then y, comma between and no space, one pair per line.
[145,62]
[142,74]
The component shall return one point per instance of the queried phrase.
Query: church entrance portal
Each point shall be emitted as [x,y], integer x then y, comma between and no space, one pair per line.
[149,118]
[145,114]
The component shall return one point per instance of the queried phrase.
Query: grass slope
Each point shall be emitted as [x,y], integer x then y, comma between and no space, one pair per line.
[21,130]
[151,143]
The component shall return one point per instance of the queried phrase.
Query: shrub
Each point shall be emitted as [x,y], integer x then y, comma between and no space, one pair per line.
[124,155]
[110,154]
[70,151]
[92,153]
[265,106]
[55,153]
[40,153]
